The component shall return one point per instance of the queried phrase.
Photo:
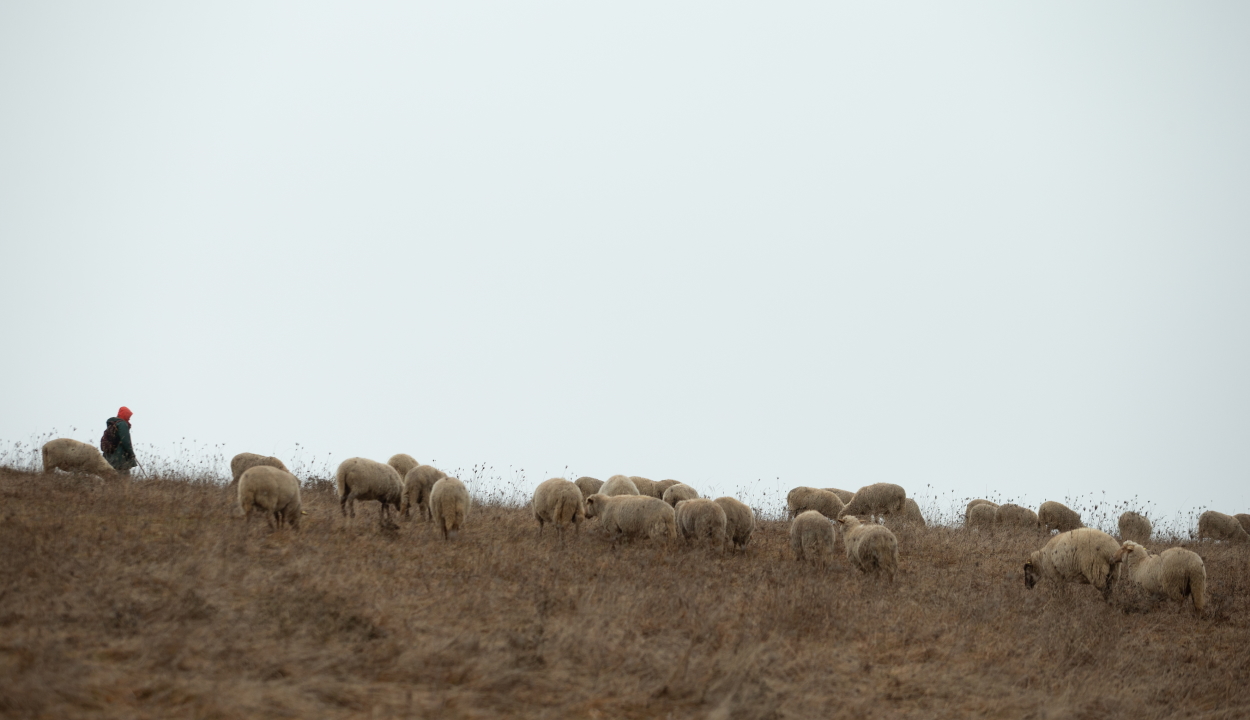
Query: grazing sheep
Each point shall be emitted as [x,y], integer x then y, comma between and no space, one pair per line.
[676,493]
[559,502]
[981,515]
[417,486]
[1135,527]
[1083,555]
[619,485]
[1218,526]
[739,520]
[240,463]
[1012,515]
[588,485]
[700,519]
[1244,519]
[1173,573]
[812,537]
[449,506]
[843,495]
[630,516]
[911,513]
[663,485]
[876,500]
[402,463]
[362,479]
[75,457]
[1057,516]
[645,486]
[272,491]
[801,499]
[871,548]
[974,503]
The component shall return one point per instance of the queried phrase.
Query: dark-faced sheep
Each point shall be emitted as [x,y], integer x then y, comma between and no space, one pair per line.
[75,457]
[588,486]
[1084,555]
[676,493]
[632,516]
[801,499]
[1010,515]
[1174,573]
[1134,526]
[273,492]
[1218,526]
[240,463]
[362,479]
[559,502]
[619,485]
[812,537]
[876,501]
[417,486]
[1057,516]
[871,548]
[739,520]
[449,506]
[402,463]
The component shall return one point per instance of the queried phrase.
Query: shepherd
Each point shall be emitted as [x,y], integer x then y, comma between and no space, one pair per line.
[115,443]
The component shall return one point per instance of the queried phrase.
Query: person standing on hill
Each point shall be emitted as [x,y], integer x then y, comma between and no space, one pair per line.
[116,445]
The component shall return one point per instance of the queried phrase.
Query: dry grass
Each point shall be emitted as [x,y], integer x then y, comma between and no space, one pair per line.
[147,599]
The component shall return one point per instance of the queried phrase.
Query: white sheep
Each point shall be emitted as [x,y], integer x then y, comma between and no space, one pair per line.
[982,515]
[75,457]
[272,491]
[646,486]
[1244,519]
[449,506]
[559,502]
[911,513]
[619,485]
[1218,526]
[362,479]
[876,501]
[801,499]
[417,486]
[402,462]
[1134,526]
[240,463]
[843,495]
[630,516]
[676,493]
[1012,515]
[1083,555]
[871,548]
[658,489]
[1057,516]
[701,519]
[1173,573]
[739,520]
[588,485]
[974,503]
[812,537]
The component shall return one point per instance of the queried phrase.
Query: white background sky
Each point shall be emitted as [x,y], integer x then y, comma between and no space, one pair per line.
[983,248]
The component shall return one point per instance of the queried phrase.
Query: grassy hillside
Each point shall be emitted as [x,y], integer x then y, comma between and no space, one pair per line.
[147,599]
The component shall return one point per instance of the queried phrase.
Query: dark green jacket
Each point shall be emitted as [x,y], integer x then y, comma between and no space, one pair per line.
[123,458]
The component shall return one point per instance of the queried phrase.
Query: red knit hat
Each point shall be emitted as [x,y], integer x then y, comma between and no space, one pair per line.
[124,413]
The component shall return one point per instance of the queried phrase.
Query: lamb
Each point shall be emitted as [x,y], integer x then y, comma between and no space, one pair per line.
[1173,573]
[1057,516]
[812,537]
[588,485]
[801,499]
[417,486]
[274,492]
[876,500]
[981,515]
[739,520]
[449,506]
[630,516]
[871,548]
[1134,526]
[699,519]
[974,503]
[402,463]
[361,479]
[1218,526]
[559,502]
[240,463]
[75,457]
[1012,515]
[911,513]
[843,495]
[645,486]
[619,485]
[676,493]
[1244,519]
[1083,555]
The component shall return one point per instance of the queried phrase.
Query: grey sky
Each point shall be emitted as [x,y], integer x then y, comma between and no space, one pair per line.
[983,247]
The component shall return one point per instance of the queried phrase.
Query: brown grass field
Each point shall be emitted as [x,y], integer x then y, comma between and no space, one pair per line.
[147,599]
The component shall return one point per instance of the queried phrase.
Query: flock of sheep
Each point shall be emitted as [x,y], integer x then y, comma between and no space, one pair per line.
[630,507]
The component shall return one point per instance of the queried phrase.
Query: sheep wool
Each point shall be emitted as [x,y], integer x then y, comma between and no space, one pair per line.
[417,486]
[1010,515]
[663,485]
[74,457]
[911,513]
[974,503]
[1244,519]
[1084,555]
[701,519]
[449,506]
[871,548]
[632,516]
[619,485]
[588,485]
[876,500]
[1134,526]
[362,479]
[812,537]
[1218,526]
[559,502]
[843,495]
[676,493]
[982,515]
[1057,516]
[739,520]
[801,499]
[402,463]
[1174,573]
[240,463]
[272,491]
[646,486]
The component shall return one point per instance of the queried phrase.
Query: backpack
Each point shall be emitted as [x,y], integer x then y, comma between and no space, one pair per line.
[109,440]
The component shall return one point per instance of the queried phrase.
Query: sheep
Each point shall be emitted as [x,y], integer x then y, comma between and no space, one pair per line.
[1134,526]
[1083,555]
[588,485]
[676,493]
[739,520]
[417,486]
[1244,519]
[1012,515]
[361,479]
[663,485]
[645,486]
[449,506]
[1057,516]
[801,499]
[699,519]
[974,503]
[619,485]
[981,515]
[559,502]
[402,463]
[630,516]
[240,463]
[75,457]
[876,500]
[911,513]
[812,537]
[843,495]
[871,548]
[273,491]
[1218,526]
[1173,573]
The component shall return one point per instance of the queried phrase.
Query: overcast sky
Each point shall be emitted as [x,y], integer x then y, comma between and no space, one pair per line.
[988,248]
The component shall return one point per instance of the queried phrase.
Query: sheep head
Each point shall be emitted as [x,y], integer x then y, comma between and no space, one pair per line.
[593,504]
[1030,574]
